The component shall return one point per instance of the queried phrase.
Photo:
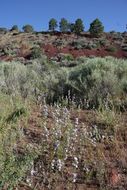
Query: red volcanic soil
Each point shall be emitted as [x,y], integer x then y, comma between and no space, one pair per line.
[52,51]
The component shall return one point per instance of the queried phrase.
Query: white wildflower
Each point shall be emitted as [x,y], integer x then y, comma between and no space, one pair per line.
[76,121]
[74,177]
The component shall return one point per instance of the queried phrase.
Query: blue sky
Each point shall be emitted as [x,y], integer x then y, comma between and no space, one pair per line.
[113,13]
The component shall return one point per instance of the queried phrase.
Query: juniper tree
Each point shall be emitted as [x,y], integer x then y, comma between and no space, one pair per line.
[14,28]
[28,28]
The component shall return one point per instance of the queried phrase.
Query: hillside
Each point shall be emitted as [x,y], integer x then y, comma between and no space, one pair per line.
[63,111]
[63,128]
[63,95]
[20,46]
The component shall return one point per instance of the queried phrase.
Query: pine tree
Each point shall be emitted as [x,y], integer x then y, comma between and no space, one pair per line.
[71,27]
[78,26]
[64,26]
[52,24]
[96,28]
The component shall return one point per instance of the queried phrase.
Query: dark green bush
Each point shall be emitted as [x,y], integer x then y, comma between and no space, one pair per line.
[35,53]
[103,42]
[83,44]
[111,49]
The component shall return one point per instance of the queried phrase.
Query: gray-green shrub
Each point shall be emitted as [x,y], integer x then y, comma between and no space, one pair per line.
[98,79]
[93,80]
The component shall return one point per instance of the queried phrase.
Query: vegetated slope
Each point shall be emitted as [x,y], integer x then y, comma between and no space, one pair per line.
[21,46]
[63,127]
